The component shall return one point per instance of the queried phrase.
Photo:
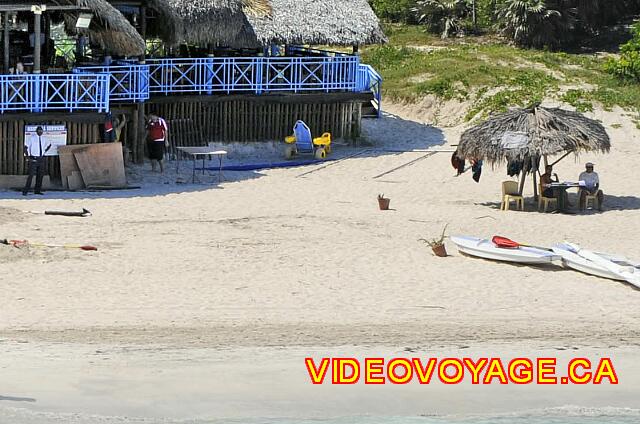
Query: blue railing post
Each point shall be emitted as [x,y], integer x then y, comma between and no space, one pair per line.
[37,92]
[73,91]
[259,74]
[106,93]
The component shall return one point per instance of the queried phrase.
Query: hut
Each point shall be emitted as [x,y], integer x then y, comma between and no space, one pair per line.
[318,22]
[216,70]
[531,135]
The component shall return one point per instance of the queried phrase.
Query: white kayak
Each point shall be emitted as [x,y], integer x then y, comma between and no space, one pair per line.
[486,249]
[599,264]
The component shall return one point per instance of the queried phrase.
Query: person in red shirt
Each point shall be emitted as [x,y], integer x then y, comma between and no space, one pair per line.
[157,141]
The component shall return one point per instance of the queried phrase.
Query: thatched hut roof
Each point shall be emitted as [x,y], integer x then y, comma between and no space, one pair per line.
[208,21]
[109,28]
[534,132]
[328,22]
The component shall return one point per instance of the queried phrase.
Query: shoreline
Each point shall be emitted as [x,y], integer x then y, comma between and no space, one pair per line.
[204,385]
[202,301]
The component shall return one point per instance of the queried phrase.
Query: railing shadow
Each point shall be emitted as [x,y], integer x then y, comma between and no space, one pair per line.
[388,136]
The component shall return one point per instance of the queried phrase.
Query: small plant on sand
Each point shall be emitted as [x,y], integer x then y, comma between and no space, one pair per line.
[383,202]
[437,241]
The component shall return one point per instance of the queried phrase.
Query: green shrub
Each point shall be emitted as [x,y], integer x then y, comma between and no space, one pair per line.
[394,10]
[628,65]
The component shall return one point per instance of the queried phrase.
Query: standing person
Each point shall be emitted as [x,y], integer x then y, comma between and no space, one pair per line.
[35,150]
[592,186]
[118,125]
[157,141]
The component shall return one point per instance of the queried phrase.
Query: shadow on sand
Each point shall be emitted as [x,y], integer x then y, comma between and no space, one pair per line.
[16,399]
[390,135]
[611,203]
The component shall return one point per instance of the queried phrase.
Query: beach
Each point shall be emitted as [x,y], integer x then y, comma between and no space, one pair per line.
[239,281]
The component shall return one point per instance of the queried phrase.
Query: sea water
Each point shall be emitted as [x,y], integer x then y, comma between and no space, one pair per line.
[562,415]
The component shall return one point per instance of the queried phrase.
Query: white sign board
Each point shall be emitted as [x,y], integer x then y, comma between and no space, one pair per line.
[56,135]
[514,140]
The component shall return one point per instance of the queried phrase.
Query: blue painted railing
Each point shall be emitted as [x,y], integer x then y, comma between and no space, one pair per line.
[91,88]
[257,75]
[39,92]
[129,83]
[370,80]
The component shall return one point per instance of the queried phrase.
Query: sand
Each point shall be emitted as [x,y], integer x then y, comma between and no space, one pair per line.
[270,264]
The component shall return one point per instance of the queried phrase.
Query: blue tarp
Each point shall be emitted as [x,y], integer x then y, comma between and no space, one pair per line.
[259,166]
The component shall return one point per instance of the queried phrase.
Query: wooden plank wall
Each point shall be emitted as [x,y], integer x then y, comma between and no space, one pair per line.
[194,121]
[197,122]
[81,130]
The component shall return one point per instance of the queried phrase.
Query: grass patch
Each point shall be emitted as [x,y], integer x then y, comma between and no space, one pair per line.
[494,76]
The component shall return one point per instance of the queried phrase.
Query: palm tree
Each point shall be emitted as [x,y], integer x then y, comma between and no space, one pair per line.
[537,23]
[444,16]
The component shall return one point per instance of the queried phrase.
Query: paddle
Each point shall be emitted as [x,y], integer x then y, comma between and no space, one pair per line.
[23,243]
[505,243]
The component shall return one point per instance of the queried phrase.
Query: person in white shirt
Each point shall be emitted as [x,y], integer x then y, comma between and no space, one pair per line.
[35,149]
[592,186]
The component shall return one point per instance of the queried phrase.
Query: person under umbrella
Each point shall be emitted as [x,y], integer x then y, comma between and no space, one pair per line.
[592,186]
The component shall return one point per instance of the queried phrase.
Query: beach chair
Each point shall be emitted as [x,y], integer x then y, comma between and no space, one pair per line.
[301,142]
[511,193]
[544,202]
[593,198]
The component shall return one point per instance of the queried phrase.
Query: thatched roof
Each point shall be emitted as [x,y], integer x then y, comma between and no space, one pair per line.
[109,28]
[208,21]
[533,132]
[328,22]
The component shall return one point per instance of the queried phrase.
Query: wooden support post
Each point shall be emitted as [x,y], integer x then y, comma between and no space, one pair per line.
[522,181]
[143,30]
[47,34]
[6,43]
[140,135]
[37,31]
[141,132]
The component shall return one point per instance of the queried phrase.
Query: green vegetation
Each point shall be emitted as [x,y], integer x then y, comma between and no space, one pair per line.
[628,65]
[492,76]
[553,24]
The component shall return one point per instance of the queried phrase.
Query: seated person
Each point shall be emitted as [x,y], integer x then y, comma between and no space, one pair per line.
[592,186]
[546,179]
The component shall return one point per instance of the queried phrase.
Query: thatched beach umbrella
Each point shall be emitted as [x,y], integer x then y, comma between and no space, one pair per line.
[532,133]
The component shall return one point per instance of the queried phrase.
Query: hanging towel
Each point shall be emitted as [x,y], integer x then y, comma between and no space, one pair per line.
[476,168]
[514,167]
[457,163]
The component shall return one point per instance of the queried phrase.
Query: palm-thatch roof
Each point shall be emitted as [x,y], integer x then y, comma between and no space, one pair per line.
[208,21]
[112,30]
[534,132]
[109,28]
[328,22]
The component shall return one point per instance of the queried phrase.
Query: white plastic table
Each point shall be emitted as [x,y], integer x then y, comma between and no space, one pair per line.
[204,152]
